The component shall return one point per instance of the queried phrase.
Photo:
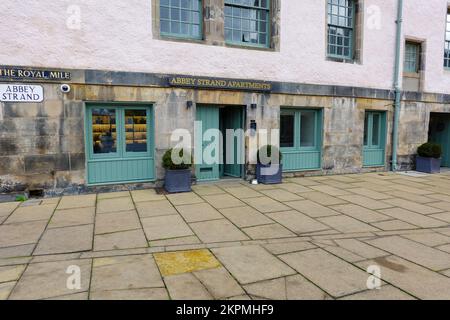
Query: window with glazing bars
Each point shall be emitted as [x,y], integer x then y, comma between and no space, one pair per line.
[181,18]
[412,53]
[247,22]
[341,26]
[447,42]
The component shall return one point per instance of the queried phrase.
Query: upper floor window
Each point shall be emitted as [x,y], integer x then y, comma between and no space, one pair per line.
[247,22]
[412,57]
[447,42]
[181,18]
[341,25]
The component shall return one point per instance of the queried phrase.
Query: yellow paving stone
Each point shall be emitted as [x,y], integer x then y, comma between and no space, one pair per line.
[172,263]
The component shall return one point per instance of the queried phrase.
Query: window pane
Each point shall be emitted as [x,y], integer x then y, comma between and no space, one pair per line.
[287,130]
[181,18]
[411,63]
[376,130]
[307,128]
[246,21]
[104,132]
[447,43]
[366,128]
[136,130]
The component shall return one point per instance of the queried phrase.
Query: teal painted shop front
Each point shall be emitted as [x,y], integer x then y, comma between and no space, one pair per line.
[374,139]
[301,139]
[119,144]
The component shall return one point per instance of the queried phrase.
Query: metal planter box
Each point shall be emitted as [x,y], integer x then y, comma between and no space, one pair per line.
[177,180]
[274,178]
[428,165]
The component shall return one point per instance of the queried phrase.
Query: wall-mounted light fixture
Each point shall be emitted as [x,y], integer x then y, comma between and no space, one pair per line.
[189,104]
[253,106]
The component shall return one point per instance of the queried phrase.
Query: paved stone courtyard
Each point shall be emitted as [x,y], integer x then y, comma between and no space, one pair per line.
[309,238]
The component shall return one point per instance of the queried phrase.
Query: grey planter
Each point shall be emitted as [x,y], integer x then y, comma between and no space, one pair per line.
[428,165]
[177,180]
[275,178]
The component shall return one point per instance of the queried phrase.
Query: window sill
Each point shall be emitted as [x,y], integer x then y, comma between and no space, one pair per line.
[249,46]
[342,60]
[174,38]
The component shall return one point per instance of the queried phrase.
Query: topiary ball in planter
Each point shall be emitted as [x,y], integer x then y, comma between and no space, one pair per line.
[428,158]
[266,171]
[178,163]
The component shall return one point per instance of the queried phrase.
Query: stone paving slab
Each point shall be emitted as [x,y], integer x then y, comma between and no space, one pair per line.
[134,294]
[155,208]
[346,224]
[417,281]
[70,202]
[323,198]
[198,212]
[217,231]
[72,217]
[251,263]
[297,222]
[165,227]
[281,195]
[413,218]
[179,199]
[268,231]
[5,289]
[49,279]
[245,216]
[219,283]
[11,273]
[65,240]
[386,292]
[116,222]
[287,288]
[413,251]
[125,273]
[146,195]
[21,233]
[361,213]
[321,268]
[185,286]
[366,202]
[115,205]
[34,213]
[312,209]
[120,240]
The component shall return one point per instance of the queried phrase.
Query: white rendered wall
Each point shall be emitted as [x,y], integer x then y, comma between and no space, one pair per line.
[117,35]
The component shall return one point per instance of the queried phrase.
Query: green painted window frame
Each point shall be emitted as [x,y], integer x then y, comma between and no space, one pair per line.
[342,7]
[297,129]
[241,5]
[447,42]
[190,23]
[411,60]
[121,152]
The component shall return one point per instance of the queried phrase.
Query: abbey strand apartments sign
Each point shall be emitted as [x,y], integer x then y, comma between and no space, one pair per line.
[216,83]
[21,93]
[8,73]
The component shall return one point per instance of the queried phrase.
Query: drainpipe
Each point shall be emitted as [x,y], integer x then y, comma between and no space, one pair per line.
[397,88]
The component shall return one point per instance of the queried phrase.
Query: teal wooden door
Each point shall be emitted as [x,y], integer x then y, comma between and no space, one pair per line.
[301,139]
[233,150]
[207,169]
[440,134]
[119,142]
[374,139]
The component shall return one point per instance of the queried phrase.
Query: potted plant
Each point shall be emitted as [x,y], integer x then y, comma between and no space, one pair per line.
[266,171]
[429,158]
[178,175]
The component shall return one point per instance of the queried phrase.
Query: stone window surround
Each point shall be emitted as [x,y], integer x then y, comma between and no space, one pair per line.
[420,76]
[357,36]
[214,26]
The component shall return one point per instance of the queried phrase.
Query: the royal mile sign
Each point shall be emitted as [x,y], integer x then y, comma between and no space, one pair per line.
[13,73]
[218,83]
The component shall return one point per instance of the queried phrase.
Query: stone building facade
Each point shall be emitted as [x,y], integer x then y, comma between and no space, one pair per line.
[123,59]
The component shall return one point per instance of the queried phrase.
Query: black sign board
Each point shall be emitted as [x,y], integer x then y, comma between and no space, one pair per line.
[9,73]
[219,83]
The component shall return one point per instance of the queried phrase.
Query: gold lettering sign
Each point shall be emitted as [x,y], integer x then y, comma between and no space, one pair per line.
[213,83]
[10,73]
